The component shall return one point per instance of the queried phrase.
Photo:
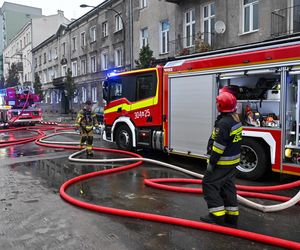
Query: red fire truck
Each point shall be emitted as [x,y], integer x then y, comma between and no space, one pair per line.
[173,107]
[18,106]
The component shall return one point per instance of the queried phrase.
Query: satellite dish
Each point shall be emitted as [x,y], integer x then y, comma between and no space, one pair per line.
[220,27]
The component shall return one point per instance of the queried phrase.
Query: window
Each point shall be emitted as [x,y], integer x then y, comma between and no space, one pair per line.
[82,39]
[52,97]
[45,57]
[104,29]
[93,33]
[35,62]
[250,13]
[40,60]
[144,37]
[50,74]
[74,68]
[145,87]
[189,28]
[64,70]
[75,99]
[63,48]
[93,64]
[55,53]
[49,55]
[118,23]
[104,60]
[143,3]
[164,37]
[208,22]
[83,67]
[73,43]
[57,97]
[118,57]
[94,94]
[84,94]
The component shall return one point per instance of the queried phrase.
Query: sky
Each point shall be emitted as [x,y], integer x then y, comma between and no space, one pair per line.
[49,7]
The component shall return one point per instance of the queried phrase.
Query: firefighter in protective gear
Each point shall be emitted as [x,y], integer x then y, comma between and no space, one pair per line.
[223,149]
[86,120]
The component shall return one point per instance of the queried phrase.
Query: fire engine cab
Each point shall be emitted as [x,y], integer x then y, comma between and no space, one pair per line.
[173,108]
[18,106]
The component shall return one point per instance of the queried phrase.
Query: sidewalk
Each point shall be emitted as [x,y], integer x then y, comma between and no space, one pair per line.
[59,118]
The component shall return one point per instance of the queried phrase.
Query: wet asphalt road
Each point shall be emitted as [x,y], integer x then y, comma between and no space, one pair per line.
[33,216]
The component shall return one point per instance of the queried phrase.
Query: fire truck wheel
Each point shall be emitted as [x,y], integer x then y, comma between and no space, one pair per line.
[254,160]
[124,138]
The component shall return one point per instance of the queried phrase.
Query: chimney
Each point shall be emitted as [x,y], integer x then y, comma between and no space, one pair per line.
[60,12]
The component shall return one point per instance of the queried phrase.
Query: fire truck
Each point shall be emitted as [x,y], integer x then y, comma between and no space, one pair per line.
[173,107]
[18,105]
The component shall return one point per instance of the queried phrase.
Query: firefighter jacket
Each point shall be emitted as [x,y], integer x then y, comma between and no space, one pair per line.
[86,120]
[224,145]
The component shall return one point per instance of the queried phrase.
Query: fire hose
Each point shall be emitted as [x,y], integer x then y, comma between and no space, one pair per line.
[171,220]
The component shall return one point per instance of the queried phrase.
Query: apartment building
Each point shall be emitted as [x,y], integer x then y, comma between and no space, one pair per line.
[12,18]
[110,36]
[18,51]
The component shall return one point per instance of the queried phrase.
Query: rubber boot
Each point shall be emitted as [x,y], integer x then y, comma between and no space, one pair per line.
[231,220]
[210,218]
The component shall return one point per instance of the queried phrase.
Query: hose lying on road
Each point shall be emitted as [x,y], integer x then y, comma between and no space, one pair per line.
[160,218]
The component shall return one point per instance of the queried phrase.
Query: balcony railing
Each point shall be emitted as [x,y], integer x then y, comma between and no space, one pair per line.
[202,42]
[285,21]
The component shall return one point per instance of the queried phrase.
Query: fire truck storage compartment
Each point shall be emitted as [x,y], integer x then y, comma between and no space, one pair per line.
[191,112]
[292,119]
[258,96]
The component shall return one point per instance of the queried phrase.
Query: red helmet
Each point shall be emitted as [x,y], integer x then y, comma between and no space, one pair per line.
[226,102]
[230,89]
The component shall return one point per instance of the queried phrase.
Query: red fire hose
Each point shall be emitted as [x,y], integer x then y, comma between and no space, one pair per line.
[167,219]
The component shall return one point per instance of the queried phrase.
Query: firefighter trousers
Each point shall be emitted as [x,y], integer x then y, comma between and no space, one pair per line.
[86,136]
[220,192]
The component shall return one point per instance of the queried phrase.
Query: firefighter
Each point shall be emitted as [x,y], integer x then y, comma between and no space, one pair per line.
[223,149]
[86,120]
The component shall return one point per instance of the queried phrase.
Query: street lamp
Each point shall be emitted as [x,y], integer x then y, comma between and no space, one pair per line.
[123,25]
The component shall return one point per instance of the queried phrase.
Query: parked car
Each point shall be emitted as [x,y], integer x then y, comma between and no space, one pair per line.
[99,111]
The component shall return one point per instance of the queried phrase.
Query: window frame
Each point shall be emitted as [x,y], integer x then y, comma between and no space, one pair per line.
[83,39]
[144,40]
[189,39]
[104,60]
[118,57]
[143,4]
[210,19]
[83,70]
[251,16]
[84,94]
[74,65]
[94,94]
[93,64]
[164,37]
[118,23]
[93,33]
[104,29]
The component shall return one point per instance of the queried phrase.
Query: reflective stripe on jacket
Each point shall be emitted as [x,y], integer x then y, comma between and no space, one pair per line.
[224,145]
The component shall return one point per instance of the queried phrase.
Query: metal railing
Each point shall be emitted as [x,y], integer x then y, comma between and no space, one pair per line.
[202,42]
[285,21]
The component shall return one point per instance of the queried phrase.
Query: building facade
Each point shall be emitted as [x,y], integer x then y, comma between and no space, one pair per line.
[12,18]
[19,50]
[110,37]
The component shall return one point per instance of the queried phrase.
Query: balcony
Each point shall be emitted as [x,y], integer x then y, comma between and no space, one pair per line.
[202,42]
[285,21]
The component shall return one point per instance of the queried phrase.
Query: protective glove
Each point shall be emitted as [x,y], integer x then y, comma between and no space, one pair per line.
[210,168]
